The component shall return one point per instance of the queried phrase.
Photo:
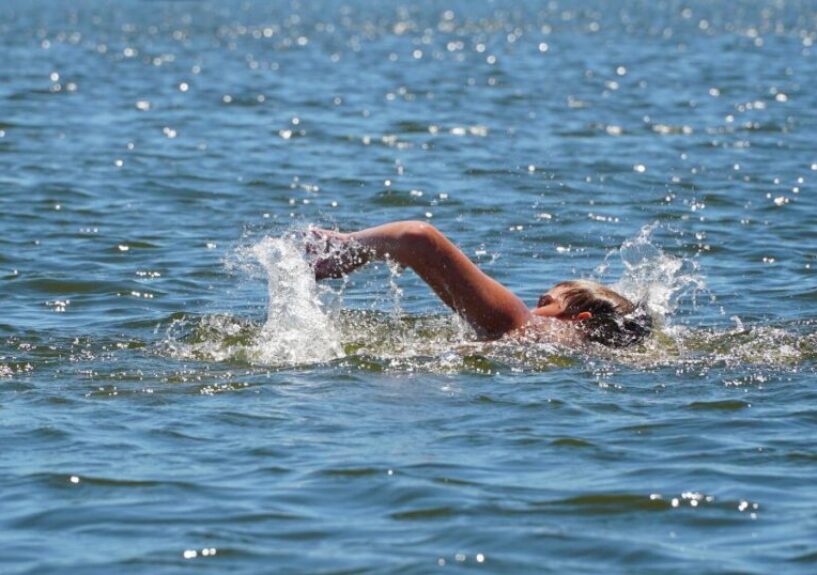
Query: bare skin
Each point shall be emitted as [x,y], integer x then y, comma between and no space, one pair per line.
[488,306]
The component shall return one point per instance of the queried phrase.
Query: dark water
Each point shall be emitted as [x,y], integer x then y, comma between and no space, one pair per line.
[157,416]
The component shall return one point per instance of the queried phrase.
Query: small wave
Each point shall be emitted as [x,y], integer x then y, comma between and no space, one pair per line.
[378,342]
[750,352]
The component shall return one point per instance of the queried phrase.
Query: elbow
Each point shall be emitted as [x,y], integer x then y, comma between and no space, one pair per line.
[417,232]
[416,243]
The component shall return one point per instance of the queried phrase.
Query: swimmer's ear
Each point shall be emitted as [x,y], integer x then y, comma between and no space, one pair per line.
[583,316]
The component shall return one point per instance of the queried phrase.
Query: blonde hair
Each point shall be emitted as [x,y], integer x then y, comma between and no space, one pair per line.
[615,321]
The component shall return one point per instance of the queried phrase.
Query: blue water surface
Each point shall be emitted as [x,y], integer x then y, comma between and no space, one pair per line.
[159,415]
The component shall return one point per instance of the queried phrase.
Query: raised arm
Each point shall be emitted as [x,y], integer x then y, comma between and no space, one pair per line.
[487,305]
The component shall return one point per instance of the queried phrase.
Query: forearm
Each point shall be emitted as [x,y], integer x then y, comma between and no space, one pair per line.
[345,252]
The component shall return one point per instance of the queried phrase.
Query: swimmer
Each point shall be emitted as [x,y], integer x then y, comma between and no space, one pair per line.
[596,312]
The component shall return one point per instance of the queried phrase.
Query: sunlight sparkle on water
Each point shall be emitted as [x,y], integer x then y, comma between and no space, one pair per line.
[524,131]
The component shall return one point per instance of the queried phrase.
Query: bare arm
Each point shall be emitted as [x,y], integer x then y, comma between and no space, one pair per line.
[487,305]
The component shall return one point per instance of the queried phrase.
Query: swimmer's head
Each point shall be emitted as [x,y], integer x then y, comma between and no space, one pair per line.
[602,315]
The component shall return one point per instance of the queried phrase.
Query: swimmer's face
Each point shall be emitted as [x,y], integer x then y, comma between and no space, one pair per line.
[552,304]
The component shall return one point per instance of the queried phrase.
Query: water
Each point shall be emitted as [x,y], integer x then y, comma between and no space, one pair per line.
[176,393]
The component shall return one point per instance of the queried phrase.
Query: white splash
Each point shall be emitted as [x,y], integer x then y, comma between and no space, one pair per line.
[653,277]
[297,330]
[300,330]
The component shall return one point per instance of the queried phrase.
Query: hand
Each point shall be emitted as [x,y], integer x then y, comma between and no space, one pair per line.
[332,254]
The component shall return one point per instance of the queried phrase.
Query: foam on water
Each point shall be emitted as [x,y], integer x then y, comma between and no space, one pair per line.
[302,327]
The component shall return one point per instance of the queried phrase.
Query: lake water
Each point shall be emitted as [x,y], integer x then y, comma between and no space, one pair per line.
[177,395]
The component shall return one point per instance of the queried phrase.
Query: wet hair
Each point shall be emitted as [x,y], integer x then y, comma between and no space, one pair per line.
[615,321]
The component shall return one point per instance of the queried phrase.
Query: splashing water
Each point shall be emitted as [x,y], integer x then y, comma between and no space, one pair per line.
[297,330]
[654,278]
[662,282]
